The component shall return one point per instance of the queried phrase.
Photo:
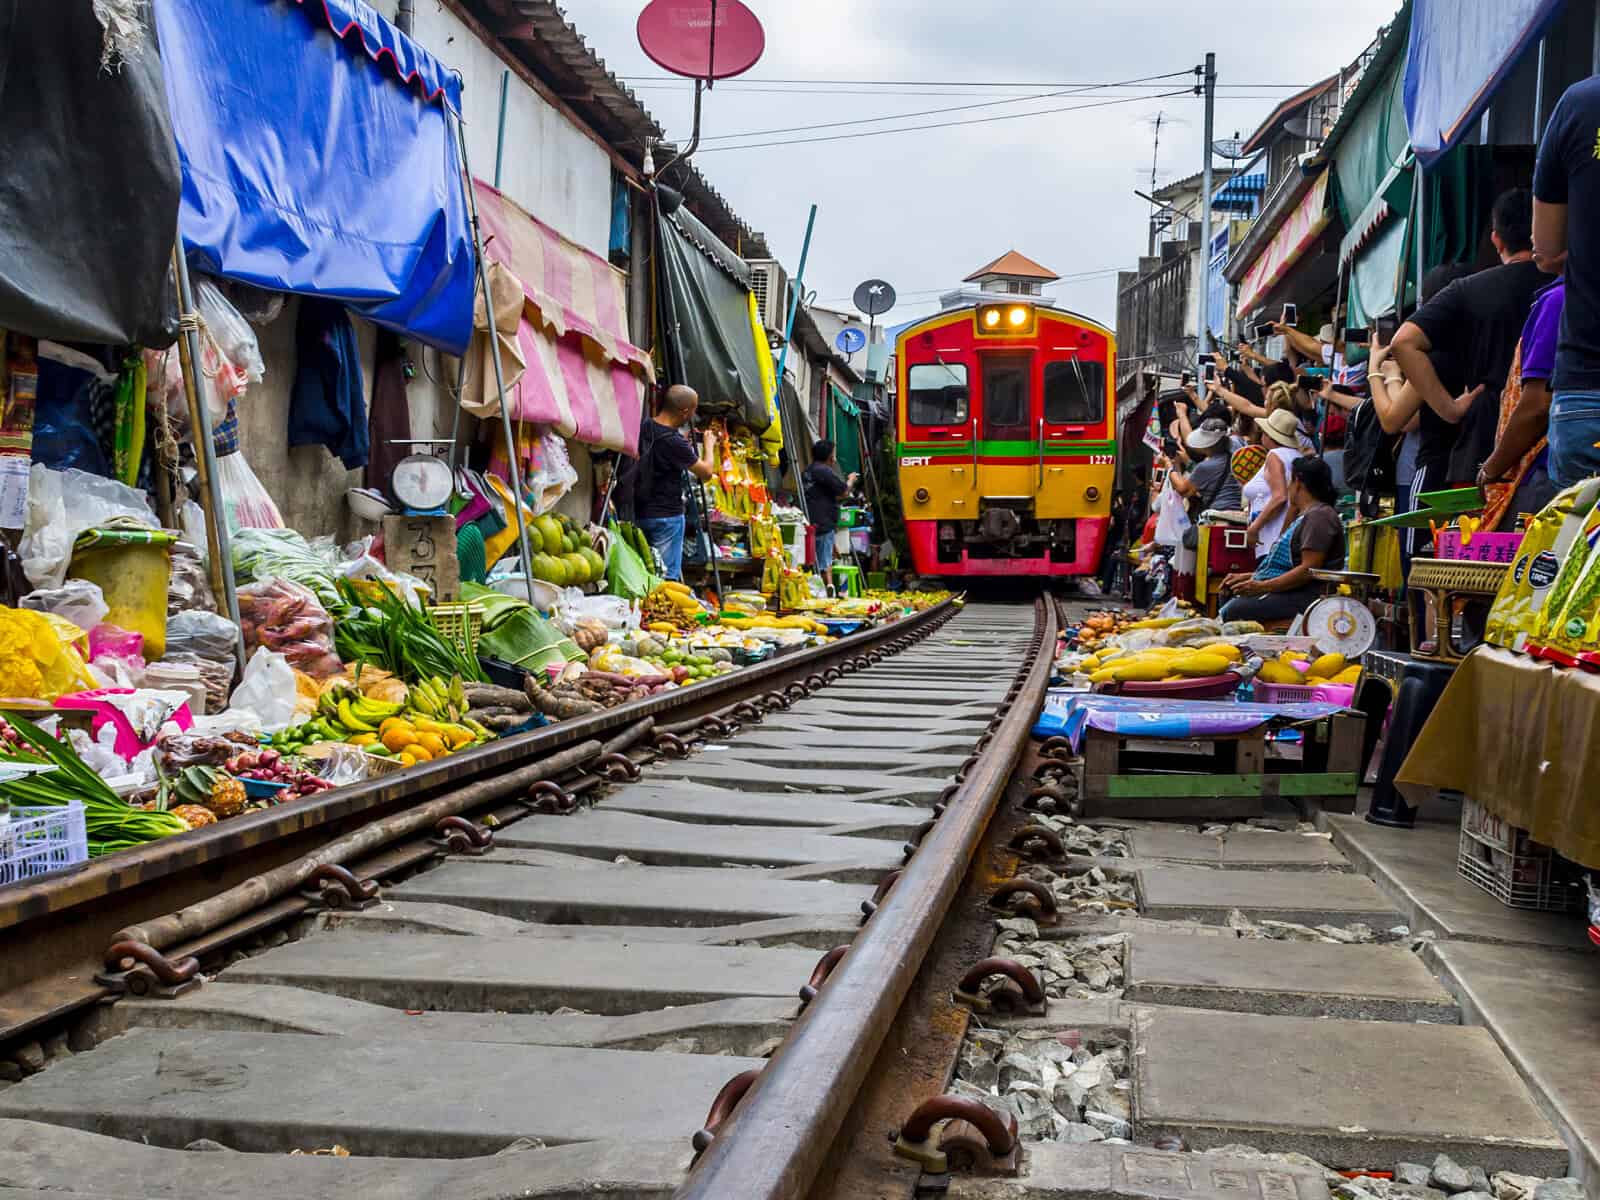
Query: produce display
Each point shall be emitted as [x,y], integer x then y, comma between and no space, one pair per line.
[563,554]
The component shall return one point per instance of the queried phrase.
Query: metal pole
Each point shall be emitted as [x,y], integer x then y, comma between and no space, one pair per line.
[500,133]
[1205,215]
[1538,95]
[494,349]
[205,456]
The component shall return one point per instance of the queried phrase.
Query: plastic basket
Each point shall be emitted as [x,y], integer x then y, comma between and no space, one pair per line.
[462,623]
[42,838]
[1513,868]
[1300,693]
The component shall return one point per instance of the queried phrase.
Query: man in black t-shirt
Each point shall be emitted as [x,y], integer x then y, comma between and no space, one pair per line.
[1476,323]
[824,488]
[1566,230]
[665,453]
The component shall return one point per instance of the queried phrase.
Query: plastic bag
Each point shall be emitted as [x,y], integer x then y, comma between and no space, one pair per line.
[39,657]
[284,554]
[286,617]
[627,575]
[77,600]
[1174,520]
[188,585]
[230,334]
[246,504]
[340,763]
[614,611]
[548,474]
[61,505]
[203,634]
[267,691]
[216,675]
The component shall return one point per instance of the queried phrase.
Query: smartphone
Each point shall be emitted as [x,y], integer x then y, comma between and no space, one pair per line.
[1264,331]
[1387,327]
[1357,337]
[1209,372]
[1309,383]
[1186,379]
[1291,314]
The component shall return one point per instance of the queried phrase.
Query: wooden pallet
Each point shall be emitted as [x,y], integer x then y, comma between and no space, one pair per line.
[1222,778]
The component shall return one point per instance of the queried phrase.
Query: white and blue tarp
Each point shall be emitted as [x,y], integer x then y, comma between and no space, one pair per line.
[318,158]
[1458,55]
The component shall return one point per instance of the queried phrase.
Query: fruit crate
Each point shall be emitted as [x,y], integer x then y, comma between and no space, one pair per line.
[40,838]
[1513,868]
[461,622]
[1342,694]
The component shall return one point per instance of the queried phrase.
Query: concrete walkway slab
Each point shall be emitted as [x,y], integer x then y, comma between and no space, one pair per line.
[737,1026]
[712,806]
[70,1163]
[1305,979]
[488,974]
[631,895]
[1416,868]
[1284,850]
[855,711]
[274,1092]
[804,758]
[658,842]
[731,773]
[849,742]
[1543,1008]
[1329,897]
[1053,1171]
[1351,1094]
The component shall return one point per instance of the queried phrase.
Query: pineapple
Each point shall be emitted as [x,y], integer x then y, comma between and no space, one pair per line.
[194,816]
[210,788]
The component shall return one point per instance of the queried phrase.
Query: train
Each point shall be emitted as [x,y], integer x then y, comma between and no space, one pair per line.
[1006,442]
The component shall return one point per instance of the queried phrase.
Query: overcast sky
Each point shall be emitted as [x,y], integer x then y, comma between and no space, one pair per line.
[924,209]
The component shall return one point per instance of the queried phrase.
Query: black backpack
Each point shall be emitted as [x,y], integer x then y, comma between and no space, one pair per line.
[1369,453]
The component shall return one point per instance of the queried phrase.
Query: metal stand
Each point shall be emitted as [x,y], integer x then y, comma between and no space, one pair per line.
[205,451]
[494,351]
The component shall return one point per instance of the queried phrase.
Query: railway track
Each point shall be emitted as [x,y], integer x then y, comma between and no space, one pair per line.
[560,1002]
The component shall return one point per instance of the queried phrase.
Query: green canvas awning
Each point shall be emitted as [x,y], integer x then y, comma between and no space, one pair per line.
[846,428]
[1375,251]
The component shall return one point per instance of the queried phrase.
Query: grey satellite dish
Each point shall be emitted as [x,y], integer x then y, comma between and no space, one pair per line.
[1229,147]
[874,297]
[850,341]
[1299,127]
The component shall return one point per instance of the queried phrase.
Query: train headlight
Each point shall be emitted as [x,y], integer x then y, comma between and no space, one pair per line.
[1009,320]
[1018,317]
[1091,494]
[920,495]
[991,318]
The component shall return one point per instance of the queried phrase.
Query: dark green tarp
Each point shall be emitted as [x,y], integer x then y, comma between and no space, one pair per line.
[704,295]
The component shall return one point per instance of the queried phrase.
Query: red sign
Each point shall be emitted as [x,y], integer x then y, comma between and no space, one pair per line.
[703,39]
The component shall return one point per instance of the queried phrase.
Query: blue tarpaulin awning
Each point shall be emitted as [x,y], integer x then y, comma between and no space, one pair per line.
[1241,193]
[318,158]
[1458,55]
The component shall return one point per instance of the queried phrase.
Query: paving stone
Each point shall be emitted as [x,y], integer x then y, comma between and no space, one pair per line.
[272,1092]
[734,1026]
[1235,849]
[700,805]
[49,1163]
[1101,1172]
[868,785]
[847,741]
[936,764]
[493,974]
[1308,979]
[631,895]
[1353,1094]
[658,842]
[1330,897]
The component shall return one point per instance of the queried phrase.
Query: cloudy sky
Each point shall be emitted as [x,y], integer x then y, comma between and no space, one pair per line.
[923,209]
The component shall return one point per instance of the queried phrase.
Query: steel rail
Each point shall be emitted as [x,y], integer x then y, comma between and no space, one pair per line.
[777,1140]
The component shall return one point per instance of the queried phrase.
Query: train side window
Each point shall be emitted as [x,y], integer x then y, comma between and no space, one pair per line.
[1074,392]
[938,394]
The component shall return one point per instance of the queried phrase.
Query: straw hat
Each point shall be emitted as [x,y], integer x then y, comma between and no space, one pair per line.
[1282,427]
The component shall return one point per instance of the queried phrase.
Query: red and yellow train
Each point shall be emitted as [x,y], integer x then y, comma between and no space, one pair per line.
[1006,439]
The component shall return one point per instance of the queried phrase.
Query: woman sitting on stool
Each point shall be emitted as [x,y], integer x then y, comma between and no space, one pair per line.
[1282,587]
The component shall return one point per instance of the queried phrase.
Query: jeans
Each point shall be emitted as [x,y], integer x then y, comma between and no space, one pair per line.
[825,554]
[1272,606]
[665,535]
[1574,430]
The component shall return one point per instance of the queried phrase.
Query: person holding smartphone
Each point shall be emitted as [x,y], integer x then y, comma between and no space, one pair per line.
[1516,476]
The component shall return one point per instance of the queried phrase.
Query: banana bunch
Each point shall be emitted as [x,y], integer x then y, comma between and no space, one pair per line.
[673,604]
[348,710]
[438,699]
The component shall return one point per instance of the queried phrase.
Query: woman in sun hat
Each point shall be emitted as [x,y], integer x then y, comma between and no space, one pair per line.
[1267,494]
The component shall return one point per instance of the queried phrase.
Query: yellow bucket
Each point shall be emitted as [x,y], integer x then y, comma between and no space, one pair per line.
[133,568]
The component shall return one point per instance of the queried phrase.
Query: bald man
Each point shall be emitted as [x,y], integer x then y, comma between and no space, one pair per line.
[665,453]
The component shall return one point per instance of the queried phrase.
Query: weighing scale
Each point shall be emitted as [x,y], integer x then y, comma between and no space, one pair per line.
[423,482]
[1341,624]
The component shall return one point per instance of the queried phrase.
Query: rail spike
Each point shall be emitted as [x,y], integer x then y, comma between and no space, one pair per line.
[722,1108]
[336,887]
[461,836]
[1019,991]
[975,1136]
[1035,898]
[618,768]
[142,970]
[820,973]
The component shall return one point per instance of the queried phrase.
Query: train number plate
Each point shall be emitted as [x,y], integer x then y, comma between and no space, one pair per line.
[1102,460]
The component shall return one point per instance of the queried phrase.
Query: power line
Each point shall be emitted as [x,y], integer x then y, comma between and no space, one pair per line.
[928,112]
[1001,296]
[952,83]
[1043,112]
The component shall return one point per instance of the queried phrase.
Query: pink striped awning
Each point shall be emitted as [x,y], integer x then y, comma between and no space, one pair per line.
[1299,231]
[580,373]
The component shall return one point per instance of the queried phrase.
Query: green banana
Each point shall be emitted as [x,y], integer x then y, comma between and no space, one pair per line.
[350,721]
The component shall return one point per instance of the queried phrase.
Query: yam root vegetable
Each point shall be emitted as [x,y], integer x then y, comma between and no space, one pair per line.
[564,706]
[487,695]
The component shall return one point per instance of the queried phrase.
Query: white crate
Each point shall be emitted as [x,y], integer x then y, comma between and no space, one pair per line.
[1513,868]
[42,838]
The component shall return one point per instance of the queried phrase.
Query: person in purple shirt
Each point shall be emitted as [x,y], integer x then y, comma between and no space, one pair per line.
[1519,463]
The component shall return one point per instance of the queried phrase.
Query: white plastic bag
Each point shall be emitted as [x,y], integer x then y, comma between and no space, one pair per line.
[1174,519]
[615,611]
[549,474]
[246,503]
[229,331]
[201,633]
[61,505]
[267,692]
[77,600]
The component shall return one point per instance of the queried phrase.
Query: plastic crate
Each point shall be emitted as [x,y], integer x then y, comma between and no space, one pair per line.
[1301,693]
[462,623]
[42,838]
[1513,868]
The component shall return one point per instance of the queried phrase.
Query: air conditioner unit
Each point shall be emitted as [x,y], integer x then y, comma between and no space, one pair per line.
[771,285]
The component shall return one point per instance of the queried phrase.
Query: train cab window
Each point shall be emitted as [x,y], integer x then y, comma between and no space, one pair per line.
[938,394]
[1074,392]
[1005,398]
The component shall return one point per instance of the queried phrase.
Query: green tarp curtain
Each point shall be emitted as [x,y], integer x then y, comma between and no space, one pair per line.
[1376,141]
[846,428]
[1375,275]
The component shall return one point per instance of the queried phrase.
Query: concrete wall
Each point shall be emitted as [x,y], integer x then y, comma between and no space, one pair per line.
[550,168]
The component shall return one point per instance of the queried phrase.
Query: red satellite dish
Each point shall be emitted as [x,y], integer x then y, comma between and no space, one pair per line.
[703,39]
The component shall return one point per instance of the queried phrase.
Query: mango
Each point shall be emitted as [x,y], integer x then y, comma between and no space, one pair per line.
[1348,675]
[1201,666]
[1226,649]
[1279,672]
[1328,665]
[1139,672]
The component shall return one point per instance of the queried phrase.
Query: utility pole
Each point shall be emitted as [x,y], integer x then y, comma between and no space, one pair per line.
[1210,86]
